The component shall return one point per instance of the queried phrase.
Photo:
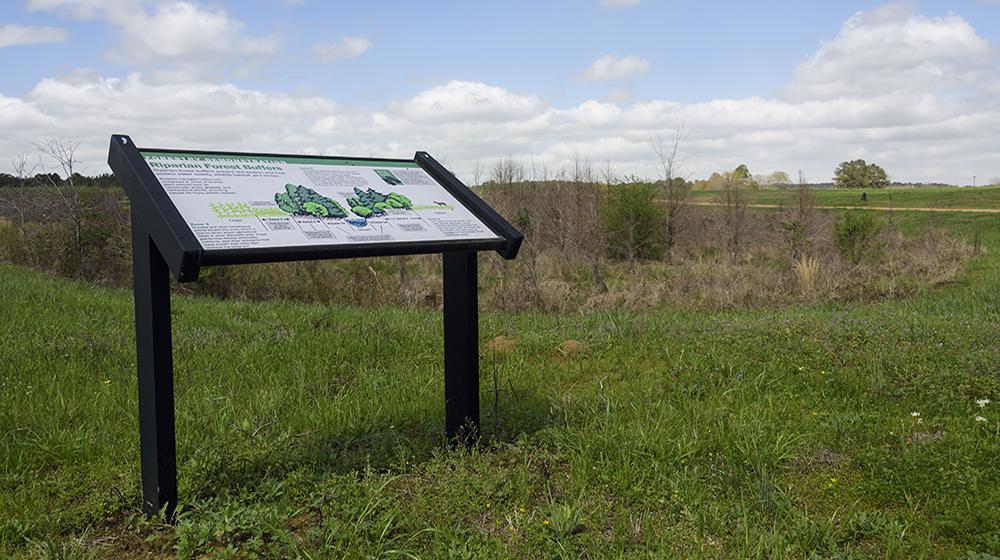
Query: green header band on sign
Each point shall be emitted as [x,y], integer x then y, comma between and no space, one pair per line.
[318,160]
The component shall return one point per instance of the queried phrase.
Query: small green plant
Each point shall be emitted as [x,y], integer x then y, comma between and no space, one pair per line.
[564,520]
[818,538]
[856,236]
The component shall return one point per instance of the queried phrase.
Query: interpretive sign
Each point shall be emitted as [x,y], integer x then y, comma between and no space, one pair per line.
[192,209]
[242,202]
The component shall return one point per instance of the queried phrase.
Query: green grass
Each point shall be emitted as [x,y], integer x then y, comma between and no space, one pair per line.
[315,432]
[978,197]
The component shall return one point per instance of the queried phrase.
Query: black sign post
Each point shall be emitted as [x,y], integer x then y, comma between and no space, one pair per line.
[164,243]
[461,343]
[154,355]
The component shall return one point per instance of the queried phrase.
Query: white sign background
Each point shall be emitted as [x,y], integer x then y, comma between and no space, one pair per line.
[229,201]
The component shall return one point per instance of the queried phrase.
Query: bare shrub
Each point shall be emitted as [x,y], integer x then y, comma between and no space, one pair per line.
[507,171]
[63,153]
[19,198]
[675,188]
[733,202]
[800,222]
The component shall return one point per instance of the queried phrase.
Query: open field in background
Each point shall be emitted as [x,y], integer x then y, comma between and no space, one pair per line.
[813,430]
[937,197]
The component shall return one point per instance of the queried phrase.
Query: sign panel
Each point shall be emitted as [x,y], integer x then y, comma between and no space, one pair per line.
[249,201]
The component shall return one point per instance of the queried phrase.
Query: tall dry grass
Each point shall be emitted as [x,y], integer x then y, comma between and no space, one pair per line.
[562,267]
[806,271]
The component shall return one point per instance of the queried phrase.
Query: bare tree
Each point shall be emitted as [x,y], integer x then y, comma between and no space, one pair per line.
[507,171]
[734,208]
[63,152]
[600,242]
[477,174]
[608,173]
[800,221]
[675,188]
[19,199]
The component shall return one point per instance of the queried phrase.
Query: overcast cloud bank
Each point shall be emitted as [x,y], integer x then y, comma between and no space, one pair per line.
[919,95]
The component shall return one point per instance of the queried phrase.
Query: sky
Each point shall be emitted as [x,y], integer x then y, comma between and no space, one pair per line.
[776,85]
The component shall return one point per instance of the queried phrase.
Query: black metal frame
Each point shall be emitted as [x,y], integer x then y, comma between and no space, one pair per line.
[162,243]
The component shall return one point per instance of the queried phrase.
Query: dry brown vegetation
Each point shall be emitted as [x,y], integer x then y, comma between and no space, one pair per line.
[728,256]
[722,257]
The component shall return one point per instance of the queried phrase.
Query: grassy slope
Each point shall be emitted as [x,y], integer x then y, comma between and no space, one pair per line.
[313,431]
[979,197]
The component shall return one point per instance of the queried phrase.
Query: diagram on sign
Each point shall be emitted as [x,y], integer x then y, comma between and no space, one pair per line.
[299,200]
[303,201]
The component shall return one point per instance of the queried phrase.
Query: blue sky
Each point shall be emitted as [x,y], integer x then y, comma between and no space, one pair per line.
[516,78]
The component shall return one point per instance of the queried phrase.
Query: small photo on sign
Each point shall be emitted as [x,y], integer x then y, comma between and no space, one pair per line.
[388,177]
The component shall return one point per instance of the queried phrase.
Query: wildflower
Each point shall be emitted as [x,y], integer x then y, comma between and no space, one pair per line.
[107,382]
[546,522]
[983,402]
[814,413]
[980,419]
[521,509]
[915,414]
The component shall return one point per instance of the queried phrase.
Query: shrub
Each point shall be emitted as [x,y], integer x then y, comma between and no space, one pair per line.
[632,221]
[855,234]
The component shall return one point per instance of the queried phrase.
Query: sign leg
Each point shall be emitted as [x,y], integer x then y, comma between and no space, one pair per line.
[461,346]
[154,361]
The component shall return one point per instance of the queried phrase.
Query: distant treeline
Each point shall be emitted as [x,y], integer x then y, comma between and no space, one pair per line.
[892,185]
[108,180]
[44,179]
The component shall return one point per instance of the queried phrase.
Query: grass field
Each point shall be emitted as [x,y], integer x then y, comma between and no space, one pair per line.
[816,431]
[979,197]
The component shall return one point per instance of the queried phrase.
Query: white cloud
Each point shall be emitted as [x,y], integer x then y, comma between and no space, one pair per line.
[616,68]
[176,34]
[619,3]
[917,133]
[890,49]
[468,101]
[14,34]
[345,48]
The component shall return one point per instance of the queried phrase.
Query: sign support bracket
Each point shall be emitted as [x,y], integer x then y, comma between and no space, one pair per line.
[154,361]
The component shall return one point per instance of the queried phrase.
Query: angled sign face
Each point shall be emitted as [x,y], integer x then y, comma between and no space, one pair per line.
[261,202]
